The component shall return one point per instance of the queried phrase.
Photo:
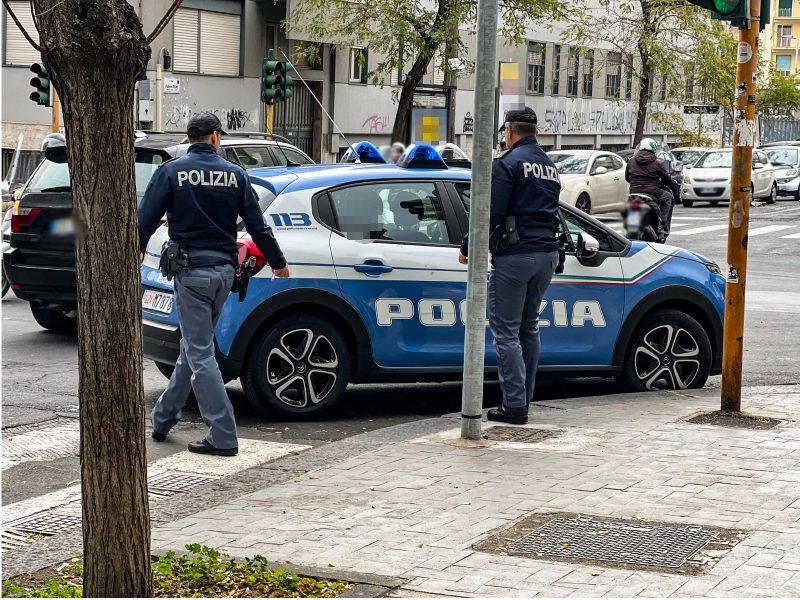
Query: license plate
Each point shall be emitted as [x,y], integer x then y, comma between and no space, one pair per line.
[708,190]
[157,301]
[62,227]
[634,219]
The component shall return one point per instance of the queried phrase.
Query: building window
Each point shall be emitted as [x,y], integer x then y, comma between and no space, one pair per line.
[358,65]
[556,70]
[783,64]
[206,42]
[536,58]
[17,49]
[662,93]
[396,75]
[588,73]
[572,72]
[613,74]
[628,76]
[784,36]
[688,93]
[784,8]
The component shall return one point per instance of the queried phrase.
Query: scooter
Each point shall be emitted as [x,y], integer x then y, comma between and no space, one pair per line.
[642,218]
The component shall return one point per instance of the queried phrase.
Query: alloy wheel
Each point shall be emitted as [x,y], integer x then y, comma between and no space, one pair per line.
[302,368]
[670,354]
[583,203]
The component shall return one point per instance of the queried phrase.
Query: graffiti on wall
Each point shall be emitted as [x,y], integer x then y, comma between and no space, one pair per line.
[234,118]
[376,123]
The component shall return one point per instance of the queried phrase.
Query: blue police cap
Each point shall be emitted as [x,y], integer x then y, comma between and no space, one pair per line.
[525,115]
[202,124]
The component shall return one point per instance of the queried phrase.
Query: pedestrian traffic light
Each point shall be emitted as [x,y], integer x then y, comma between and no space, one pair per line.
[271,78]
[735,11]
[41,85]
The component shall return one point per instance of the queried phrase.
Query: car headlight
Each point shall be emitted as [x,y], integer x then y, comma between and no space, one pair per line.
[714,268]
[791,173]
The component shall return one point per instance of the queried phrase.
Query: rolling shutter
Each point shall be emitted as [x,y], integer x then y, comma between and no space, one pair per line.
[18,50]
[219,35]
[184,50]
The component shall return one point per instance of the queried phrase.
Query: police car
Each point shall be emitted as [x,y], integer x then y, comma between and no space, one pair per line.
[377,293]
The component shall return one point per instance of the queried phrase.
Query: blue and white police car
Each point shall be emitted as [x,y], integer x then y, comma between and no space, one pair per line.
[377,293]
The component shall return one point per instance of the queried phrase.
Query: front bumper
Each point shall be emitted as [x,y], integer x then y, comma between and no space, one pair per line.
[788,187]
[706,191]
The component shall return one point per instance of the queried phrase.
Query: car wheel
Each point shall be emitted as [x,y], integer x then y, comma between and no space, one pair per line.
[688,203]
[298,368]
[670,350]
[584,203]
[54,320]
[773,195]
[165,369]
[6,283]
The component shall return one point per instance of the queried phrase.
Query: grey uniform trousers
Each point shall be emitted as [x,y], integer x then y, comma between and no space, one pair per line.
[517,283]
[199,296]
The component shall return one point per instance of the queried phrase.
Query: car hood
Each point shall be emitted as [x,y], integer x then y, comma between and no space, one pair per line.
[668,250]
[782,171]
[710,174]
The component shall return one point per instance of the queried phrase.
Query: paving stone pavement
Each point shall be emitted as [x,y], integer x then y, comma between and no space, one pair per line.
[413,509]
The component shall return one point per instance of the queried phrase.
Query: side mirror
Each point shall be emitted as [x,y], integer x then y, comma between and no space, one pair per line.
[587,250]
[599,171]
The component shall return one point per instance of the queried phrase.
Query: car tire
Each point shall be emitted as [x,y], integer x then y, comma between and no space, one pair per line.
[688,203]
[584,203]
[773,195]
[54,320]
[279,371]
[669,350]
[6,283]
[165,369]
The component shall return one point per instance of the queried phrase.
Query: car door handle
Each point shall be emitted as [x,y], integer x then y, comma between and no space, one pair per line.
[373,268]
[616,178]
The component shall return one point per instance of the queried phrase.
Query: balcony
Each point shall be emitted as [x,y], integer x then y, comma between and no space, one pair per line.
[784,42]
[785,12]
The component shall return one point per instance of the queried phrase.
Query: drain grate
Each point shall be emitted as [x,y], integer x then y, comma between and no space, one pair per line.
[633,543]
[44,523]
[48,440]
[522,435]
[14,539]
[175,482]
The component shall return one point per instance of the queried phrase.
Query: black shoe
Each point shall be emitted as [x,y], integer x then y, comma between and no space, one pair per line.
[159,437]
[515,416]
[203,447]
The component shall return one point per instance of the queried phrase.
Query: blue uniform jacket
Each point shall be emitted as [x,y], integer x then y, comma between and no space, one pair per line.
[525,185]
[202,195]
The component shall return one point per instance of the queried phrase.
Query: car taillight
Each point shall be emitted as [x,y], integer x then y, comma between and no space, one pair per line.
[23,217]
[248,249]
[634,205]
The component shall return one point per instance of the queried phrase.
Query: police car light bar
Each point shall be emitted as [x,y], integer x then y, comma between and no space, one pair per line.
[421,156]
[364,152]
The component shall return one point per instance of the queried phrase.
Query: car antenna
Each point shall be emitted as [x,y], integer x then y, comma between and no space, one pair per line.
[330,118]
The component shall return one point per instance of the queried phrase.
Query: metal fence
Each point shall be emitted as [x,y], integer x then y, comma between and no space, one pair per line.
[770,130]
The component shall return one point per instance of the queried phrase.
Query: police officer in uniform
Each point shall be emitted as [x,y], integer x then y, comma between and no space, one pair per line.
[203,195]
[525,186]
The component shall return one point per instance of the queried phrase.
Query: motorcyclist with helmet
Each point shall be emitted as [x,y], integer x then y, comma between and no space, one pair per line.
[647,174]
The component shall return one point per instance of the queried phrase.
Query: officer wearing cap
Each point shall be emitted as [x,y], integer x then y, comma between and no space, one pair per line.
[525,186]
[203,195]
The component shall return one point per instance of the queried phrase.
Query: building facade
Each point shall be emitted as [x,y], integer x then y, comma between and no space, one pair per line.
[211,53]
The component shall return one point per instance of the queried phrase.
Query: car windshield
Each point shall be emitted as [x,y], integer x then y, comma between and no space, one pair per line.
[570,164]
[783,157]
[688,157]
[53,174]
[711,160]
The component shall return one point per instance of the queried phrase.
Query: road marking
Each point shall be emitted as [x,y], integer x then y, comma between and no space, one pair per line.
[683,218]
[792,236]
[765,229]
[705,229]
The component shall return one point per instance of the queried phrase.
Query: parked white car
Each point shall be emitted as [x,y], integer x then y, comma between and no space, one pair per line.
[689,155]
[709,180]
[786,160]
[591,180]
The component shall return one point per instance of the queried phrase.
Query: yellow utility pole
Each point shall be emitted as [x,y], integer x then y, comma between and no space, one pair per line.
[744,138]
[269,116]
[55,127]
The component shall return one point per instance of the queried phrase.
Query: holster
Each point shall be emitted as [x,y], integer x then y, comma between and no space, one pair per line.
[174,258]
[504,235]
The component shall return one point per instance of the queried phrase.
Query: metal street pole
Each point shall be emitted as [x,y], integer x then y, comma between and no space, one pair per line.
[482,144]
[158,121]
[744,138]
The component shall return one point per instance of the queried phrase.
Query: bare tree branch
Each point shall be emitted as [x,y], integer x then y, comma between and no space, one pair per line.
[14,18]
[163,22]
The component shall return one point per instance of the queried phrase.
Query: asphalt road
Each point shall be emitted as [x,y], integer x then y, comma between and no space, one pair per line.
[40,378]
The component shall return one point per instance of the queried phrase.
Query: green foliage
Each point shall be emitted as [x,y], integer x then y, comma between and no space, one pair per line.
[203,572]
[673,122]
[714,67]
[780,96]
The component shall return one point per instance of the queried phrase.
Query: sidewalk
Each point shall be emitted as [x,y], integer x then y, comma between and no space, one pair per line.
[414,508]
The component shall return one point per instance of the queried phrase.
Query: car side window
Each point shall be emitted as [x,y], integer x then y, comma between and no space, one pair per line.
[602,161]
[230,154]
[284,155]
[463,190]
[405,212]
[618,163]
[575,225]
[252,157]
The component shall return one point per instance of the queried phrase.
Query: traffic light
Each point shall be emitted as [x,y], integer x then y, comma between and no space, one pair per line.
[41,85]
[271,78]
[288,82]
[735,11]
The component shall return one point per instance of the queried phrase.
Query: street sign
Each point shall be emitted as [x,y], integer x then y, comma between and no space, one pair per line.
[700,109]
[172,86]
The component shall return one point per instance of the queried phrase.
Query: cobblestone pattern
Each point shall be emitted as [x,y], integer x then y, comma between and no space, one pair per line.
[413,510]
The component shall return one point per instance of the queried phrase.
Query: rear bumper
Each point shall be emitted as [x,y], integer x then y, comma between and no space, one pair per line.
[42,285]
[162,344]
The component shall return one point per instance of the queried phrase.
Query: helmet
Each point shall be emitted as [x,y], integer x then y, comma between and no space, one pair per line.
[648,144]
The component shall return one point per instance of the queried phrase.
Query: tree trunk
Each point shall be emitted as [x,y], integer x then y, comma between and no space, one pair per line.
[644,98]
[410,84]
[95,51]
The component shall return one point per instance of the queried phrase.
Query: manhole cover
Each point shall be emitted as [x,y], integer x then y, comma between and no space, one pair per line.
[49,440]
[738,420]
[633,542]
[175,482]
[45,523]
[522,435]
